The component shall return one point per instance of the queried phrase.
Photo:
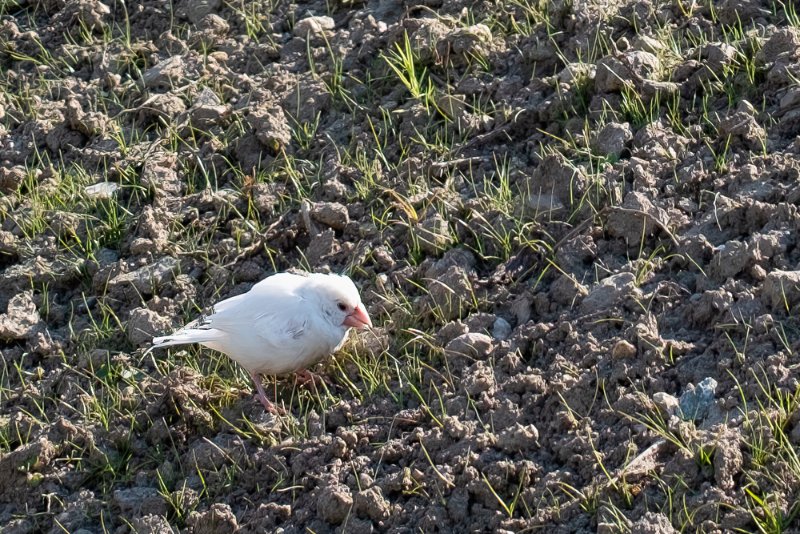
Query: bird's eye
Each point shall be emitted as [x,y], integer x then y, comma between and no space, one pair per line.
[342,306]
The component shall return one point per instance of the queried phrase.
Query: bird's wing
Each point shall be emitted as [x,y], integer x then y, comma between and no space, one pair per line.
[273,310]
[282,330]
[271,290]
[270,295]
[271,328]
[281,344]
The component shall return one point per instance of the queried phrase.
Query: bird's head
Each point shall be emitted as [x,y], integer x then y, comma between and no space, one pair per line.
[340,301]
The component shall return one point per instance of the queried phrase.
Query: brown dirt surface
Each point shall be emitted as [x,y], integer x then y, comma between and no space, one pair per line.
[574,224]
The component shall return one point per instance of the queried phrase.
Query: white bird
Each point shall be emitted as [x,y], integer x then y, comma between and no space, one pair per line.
[284,324]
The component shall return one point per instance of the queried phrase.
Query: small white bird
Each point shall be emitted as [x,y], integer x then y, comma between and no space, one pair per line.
[284,324]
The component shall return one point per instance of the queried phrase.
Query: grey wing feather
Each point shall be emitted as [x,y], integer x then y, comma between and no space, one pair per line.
[297,331]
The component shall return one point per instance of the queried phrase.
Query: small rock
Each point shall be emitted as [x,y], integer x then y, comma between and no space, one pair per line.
[321,246]
[613,73]
[139,501]
[330,214]
[216,454]
[89,124]
[480,378]
[451,292]
[728,459]
[622,350]
[264,198]
[518,438]
[161,179]
[554,184]
[67,223]
[166,74]
[501,329]
[606,527]
[610,291]
[270,127]
[31,457]
[543,204]
[651,89]
[8,243]
[454,106]
[744,127]
[143,325]
[334,189]
[791,99]
[730,12]
[372,504]
[87,13]
[526,382]
[611,140]
[270,514]
[381,255]
[450,331]
[653,523]
[434,234]
[206,97]
[455,428]
[208,110]
[458,505]
[706,307]
[782,289]
[215,24]
[196,10]
[567,290]
[11,178]
[374,343]
[472,346]
[648,44]
[21,318]
[425,39]
[697,400]
[356,525]
[187,496]
[147,279]
[164,105]
[641,63]
[636,220]
[334,504]
[718,54]
[149,524]
[465,43]
[480,322]
[313,26]
[665,402]
[730,259]
[576,72]
[782,41]
[106,257]
[218,519]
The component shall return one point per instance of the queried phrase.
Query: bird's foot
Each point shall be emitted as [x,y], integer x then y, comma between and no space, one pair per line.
[270,407]
[305,377]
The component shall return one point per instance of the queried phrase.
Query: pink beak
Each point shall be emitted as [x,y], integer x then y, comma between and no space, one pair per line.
[358,318]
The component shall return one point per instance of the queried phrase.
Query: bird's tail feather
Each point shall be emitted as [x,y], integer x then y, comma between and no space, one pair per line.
[188,335]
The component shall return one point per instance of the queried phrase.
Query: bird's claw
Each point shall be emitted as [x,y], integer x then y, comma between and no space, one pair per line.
[305,377]
[270,407]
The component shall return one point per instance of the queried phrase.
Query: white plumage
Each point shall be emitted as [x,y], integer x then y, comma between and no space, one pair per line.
[284,324]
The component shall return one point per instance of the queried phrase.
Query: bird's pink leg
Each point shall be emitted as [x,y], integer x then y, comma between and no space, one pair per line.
[268,405]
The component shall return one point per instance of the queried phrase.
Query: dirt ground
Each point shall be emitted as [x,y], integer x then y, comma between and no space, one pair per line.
[574,224]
